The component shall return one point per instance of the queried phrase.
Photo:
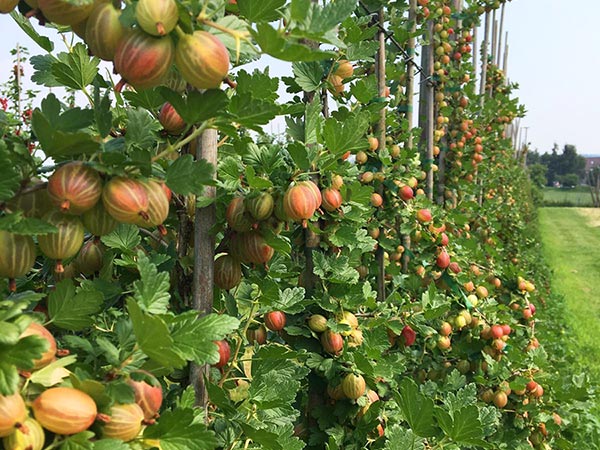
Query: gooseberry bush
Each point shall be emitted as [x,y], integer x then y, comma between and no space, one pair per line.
[175,277]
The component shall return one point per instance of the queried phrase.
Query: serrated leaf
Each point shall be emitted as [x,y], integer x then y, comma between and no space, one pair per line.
[463,427]
[308,75]
[111,444]
[399,438]
[73,309]
[26,26]
[153,337]
[125,238]
[102,112]
[346,135]
[258,84]
[266,439]
[194,337]
[79,441]
[263,11]
[9,378]
[198,106]
[54,372]
[176,430]
[79,69]
[417,409]
[42,75]
[10,180]
[141,128]
[281,47]
[186,176]
[252,112]
[151,291]
[256,182]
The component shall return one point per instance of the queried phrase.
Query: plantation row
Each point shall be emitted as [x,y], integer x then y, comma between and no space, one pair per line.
[173,277]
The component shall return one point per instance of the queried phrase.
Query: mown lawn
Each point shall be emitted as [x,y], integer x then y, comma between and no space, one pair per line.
[579,196]
[571,245]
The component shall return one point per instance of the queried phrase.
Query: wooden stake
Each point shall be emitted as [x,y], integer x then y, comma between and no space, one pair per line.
[484,56]
[204,247]
[494,47]
[380,130]
[429,99]
[475,54]
[500,31]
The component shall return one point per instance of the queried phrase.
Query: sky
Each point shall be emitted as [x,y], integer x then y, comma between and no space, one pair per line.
[554,56]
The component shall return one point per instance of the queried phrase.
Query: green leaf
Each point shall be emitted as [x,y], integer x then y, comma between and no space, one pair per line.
[186,176]
[177,430]
[334,269]
[198,106]
[73,309]
[266,439]
[263,11]
[281,47]
[10,179]
[348,134]
[42,75]
[417,408]
[464,427]
[290,300]
[151,291]
[251,112]
[9,378]
[308,75]
[141,128]
[54,372]
[79,69]
[258,84]
[125,238]
[257,182]
[26,26]
[299,154]
[24,352]
[399,438]
[111,444]
[102,112]
[153,337]
[317,20]
[193,337]
[79,441]
[313,122]
[149,99]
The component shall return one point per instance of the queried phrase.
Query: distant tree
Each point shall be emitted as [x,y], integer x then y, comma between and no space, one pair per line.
[537,174]
[566,163]
[550,160]
[569,180]
[571,162]
[533,157]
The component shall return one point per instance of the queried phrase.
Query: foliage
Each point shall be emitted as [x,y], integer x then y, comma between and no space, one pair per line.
[432,304]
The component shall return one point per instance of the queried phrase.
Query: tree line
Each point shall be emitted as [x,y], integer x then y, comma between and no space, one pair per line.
[566,168]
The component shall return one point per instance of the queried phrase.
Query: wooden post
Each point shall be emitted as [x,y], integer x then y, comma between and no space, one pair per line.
[505,62]
[204,247]
[426,104]
[410,101]
[484,56]
[494,46]
[381,131]
[500,31]
[475,54]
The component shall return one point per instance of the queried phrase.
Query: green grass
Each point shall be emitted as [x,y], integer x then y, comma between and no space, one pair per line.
[579,196]
[571,245]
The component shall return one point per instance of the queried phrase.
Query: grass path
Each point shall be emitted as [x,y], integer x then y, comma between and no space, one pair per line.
[571,245]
